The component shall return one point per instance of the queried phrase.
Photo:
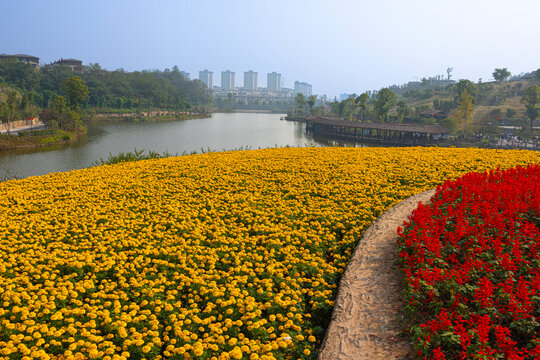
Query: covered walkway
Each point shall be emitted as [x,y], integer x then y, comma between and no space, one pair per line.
[398,134]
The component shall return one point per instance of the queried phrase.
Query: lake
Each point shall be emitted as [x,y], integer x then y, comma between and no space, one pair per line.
[223,131]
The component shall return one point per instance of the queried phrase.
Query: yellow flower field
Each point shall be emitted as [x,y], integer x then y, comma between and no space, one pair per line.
[233,255]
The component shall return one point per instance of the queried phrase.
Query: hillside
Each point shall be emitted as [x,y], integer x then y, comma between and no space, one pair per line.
[496,103]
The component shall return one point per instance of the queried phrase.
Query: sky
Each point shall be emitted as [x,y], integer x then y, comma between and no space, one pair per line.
[338,46]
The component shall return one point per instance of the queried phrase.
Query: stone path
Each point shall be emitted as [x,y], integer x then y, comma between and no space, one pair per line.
[364,322]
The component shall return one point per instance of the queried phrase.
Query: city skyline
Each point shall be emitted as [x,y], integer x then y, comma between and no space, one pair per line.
[341,47]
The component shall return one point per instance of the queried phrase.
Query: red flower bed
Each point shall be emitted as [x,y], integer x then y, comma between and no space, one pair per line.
[471,262]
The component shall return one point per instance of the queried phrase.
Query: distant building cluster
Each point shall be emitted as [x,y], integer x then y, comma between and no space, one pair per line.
[302,87]
[73,64]
[251,91]
[186,75]
[345,96]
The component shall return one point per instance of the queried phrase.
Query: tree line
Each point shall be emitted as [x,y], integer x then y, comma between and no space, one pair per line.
[25,91]
[385,106]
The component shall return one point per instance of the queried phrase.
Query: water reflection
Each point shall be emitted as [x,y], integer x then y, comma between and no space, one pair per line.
[220,132]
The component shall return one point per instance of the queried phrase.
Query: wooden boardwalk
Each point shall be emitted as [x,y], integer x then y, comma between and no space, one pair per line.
[397,134]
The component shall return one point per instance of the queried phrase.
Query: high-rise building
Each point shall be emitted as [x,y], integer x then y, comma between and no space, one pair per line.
[273,82]
[302,87]
[227,80]
[250,80]
[207,77]
[186,75]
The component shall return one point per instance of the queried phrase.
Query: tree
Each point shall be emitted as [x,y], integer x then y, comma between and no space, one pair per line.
[62,117]
[510,113]
[335,107]
[362,102]
[312,99]
[19,74]
[59,105]
[9,102]
[531,100]
[55,118]
[384,101]
[501,74]
[463,115]
[536,75]
[472,90]
[12,100]
[449,123]
[402,109]
[347,108]
[300,101]
[449,72]
[76,91]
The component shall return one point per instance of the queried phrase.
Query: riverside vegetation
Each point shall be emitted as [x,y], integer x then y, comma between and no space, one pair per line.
[63,98]
[231,255]
[470,110]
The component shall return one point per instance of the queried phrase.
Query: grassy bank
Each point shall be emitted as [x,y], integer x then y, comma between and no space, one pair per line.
[38,139]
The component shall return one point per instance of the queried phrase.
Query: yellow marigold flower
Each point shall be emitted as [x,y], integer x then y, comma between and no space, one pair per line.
[184,237]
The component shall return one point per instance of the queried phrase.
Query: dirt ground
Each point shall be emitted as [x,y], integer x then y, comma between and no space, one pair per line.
[365,320]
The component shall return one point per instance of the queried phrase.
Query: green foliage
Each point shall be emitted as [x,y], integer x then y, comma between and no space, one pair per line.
[300,101]
[62,117]
[449,123]
[531,100]
[59,105]
[495,111]
[362,103]
[167,89]
[56,136]
[19,74]
[136,155]
[501,74]
[384,101]
[429,121]
[444,105]
[312,99]
[510,113]
[347,108]
[402,109]
[76,91]
[418,109]
[72,120]
[463,115]
[10,104]
[472,90]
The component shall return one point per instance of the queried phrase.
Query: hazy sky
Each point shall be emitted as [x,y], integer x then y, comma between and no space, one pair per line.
[338,46]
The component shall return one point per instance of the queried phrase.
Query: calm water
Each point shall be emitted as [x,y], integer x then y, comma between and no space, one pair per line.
[221,131]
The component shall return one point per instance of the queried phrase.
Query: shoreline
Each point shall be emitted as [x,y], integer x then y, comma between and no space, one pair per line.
[145,117]
[39,139]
